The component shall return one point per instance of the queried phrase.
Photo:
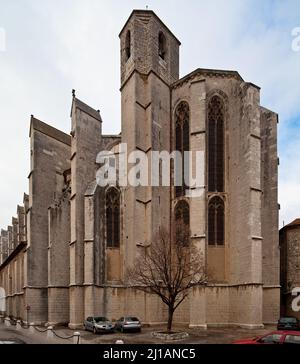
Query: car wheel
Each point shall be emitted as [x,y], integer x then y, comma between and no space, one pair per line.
[122,329]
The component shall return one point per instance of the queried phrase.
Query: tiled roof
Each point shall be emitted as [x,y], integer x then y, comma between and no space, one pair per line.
[296,222]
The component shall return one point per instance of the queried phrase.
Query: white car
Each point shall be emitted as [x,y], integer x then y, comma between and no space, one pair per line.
[128,323]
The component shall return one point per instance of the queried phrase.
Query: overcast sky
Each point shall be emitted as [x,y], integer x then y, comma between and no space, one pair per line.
[53,46]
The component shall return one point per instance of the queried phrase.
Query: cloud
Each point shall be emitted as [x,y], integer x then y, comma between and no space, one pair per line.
[289,172]
[61,45]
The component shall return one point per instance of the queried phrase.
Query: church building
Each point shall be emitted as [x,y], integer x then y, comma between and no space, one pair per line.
[66,254]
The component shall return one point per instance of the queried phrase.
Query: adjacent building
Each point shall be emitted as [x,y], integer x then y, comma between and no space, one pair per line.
[290,267]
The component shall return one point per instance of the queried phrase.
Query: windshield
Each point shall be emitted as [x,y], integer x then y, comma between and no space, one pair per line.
[132,319]
[101,319]
[288,319]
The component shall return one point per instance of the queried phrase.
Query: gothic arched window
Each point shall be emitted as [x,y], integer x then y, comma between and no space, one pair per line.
[162,45]
[128,45]
[182,223]
[113,218]
[216,217]
[182,141]
[216,145]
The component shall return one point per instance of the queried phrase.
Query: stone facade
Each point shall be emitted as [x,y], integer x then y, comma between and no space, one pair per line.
[290,266]
[69,269]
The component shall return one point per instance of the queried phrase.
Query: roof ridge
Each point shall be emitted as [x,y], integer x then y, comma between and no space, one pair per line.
[86,108]
[206,71]
[49,130]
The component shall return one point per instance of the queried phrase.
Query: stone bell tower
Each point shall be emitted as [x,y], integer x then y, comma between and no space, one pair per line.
[149,65]
[147,45]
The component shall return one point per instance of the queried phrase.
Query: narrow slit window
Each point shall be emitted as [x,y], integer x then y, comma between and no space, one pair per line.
[216,145]
[182,223]
[113,218]
[162,48]
[216,217]
[128,45]
[182,144]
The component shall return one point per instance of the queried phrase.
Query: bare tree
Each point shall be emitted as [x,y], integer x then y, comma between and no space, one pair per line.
[169,268]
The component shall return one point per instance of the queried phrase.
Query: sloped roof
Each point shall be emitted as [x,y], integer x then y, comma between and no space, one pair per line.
[292,225]
[206,72]
[49,131]
[147,13]
[78,104]
[296,222]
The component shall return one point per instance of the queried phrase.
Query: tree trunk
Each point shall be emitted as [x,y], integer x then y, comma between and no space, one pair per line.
[170,318]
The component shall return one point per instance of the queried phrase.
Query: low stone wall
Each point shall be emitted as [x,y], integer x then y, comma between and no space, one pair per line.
[226,305]
[115,302]
[249,305]
[245,305]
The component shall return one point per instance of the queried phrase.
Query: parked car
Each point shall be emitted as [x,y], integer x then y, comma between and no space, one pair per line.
[98,324]
[275,337]
[288,323]
[128,323]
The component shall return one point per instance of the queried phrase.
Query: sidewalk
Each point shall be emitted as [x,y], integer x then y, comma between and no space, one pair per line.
[24,336]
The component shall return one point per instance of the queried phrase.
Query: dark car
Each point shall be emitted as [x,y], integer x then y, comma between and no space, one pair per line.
[275,337]
[128,323]
[98,324]
[288,323]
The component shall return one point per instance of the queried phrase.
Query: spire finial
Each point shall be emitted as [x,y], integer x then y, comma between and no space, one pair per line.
[73,93]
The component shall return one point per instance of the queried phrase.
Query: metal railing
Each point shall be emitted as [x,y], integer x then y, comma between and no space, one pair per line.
[20,324]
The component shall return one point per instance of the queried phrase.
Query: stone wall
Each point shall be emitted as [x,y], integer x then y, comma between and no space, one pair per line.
[65,272]
[145,27]
[11,279]
[145,110]
[85,145]
[211,306]
[290,266]
[59,260]
[271,307]
[269,182]
[50,157]
[12,256]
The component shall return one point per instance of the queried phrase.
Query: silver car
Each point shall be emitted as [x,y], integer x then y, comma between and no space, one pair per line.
[128,323]
[98,324]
